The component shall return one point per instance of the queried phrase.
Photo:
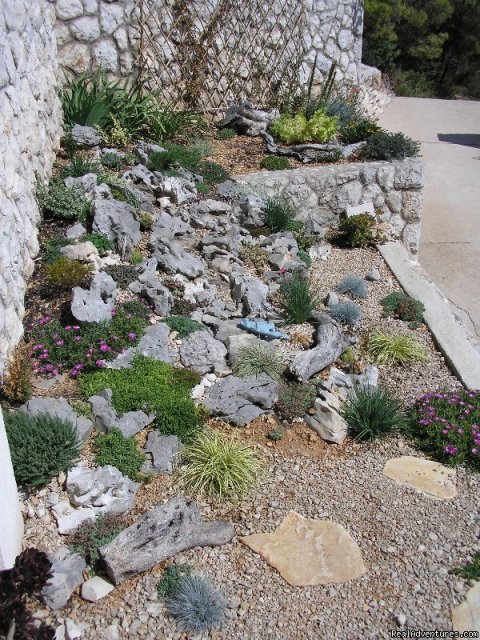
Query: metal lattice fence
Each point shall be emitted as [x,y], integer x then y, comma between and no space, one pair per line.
[207,54]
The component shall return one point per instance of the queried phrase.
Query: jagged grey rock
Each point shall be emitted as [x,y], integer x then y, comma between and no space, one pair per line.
[133,422]
[211,206]
[252,211]
[103,411]
[67,568]
[227,328]
[105,489]
[327,422]
[239,341]
[85,184]
[153,344]
[331,343]
[115,220]
[69,519]
[369,378]
[59,408]
[149,286]
[251,293]
[173,259]
[201,352]
[163,450]
[166,227]
[95,304]
[86,136]
[180,190]
[241,400]
[75,231]
[158,535]
[373,275]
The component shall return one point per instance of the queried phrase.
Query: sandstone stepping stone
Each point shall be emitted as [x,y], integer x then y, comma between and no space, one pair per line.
[309,552]
[431,478]
[466,617]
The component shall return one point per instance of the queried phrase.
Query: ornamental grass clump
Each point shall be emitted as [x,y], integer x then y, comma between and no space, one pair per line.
[196,605]
[257,359]
[219,467]
[353,285]
[446,426]
[395,349]
[347,313]
[280,216]
[41,446]
[372,412]
[298,300]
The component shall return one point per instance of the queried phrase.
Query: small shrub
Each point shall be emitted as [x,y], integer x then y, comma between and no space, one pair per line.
[16,386]
[372,412]
[172,578]
[347,313]
[294,400]
[445,425]
[353,285]
[136,257]
[275,436]
[146,220]
[348,357]
[402,306]
[384,145]
[155,387]
[298,300]
[275,163]
[80,165]
[93,534]
[41,446]
[395,349]
[123,274]
[113,448]
[294,129]
[183,325]
[136,309]
[212,173]
[115,135]
[255,257]
[346,111]
[304,256]
[196,605]
[111,161]
[63,203]
[227,133]
[202,187]
[101,242]
[82,408]
[219,467]
[52,252]
[280,216]
[257,359]
[358,231]
[305,240]
[471,570]
[66,273]
[175,155]
[358,130]
[321,128]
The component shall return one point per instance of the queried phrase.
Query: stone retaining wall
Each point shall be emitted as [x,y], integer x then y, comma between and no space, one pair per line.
[30,117]
[324,193]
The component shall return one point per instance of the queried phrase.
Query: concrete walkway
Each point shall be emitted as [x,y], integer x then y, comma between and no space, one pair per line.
[449,132]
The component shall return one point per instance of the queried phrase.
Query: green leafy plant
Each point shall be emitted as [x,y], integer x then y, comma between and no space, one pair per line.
[114,449]
[348,357]
[317,128]
[320,127]
[40,446]
[347,313]
[202,187]
[100,241]
[470,570]
[280,216]
[298,300]
[63,203]
[357,231]
[353,285]
[305,240]
[275,436]
[304,256]
[402,306]
[172,578]
[136,257]
[146,220]
[155,387]
[390,146]
[112,160]
[294,399]
[257,359]
[79,165]
[275,163]
[123,194]
[66,273]
[372,412]
[227,133]
[255,257]
[115,135]
[123,274]
[219,467]
[358,130]
[212,173]
[175,156]
[196,605]
[93,534]
[183,325]
[446,426]
[51,252]
[136,309]
[395,349]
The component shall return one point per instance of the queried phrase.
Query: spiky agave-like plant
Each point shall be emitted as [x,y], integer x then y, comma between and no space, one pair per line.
[259,358]
[197,605]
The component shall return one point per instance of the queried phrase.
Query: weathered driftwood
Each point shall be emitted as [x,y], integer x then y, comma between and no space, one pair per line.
[311,151]
[158,535]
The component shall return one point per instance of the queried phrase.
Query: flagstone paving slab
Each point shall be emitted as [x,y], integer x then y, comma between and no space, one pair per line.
[466,617]
[431,478]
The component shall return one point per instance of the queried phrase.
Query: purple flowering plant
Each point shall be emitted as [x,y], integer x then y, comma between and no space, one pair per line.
[446,425]
[73,348]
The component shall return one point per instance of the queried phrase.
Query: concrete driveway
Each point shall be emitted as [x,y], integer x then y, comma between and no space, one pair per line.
[449,133]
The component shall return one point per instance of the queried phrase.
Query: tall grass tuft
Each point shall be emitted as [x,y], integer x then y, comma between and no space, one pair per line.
[298,300]
[372,412]
[280,216]
[395,349]
[259,358]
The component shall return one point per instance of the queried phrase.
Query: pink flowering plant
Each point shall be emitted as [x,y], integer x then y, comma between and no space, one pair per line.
[446,425]
[57,348]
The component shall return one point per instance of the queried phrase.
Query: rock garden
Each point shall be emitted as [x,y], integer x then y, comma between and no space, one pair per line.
[226,418]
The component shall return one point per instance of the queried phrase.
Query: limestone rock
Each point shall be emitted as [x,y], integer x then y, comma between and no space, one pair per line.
[309,552]
[83,251]
[95,589]
[173,259]
[68,519]
[67,568]
[201,352]
[251,293]
[59,408]
[159,534]
[329,424]
[241,400]
[115,220]
[163,450]
[75,231]
[149,286]
[95,304]
[431,478]
[104,488]
[466,617]
[85,136]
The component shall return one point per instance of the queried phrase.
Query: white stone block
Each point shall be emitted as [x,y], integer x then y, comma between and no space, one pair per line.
[95,589]
[366,207]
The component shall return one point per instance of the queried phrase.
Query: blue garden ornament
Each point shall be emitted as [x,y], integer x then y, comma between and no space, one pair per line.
[263,329]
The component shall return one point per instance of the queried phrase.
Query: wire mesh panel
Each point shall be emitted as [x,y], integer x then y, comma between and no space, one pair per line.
[208,54]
